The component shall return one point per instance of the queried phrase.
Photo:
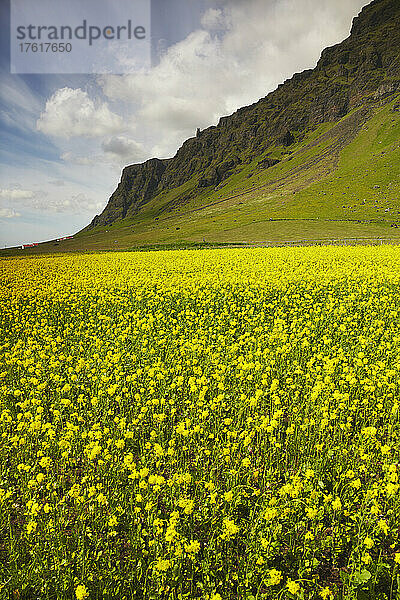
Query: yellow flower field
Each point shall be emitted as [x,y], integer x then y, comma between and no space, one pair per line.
[215,424]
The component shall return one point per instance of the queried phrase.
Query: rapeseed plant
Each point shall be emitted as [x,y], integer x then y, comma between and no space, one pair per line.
[214,424]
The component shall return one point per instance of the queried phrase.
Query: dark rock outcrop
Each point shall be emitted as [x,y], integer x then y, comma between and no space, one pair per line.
[137,186]
[267,162]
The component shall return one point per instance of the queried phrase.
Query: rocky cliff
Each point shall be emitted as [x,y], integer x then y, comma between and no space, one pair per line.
[360,70]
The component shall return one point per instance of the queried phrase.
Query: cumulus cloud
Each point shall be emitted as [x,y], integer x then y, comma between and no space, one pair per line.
[215,19]
[45,200]
[240,51]
[243,50]
[78,203]
[72,113]
[67,203]
[9,213]
[16,194]
[121,147]
[23,199]
[116,150]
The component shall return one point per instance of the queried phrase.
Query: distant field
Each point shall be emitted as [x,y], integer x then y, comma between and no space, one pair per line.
[215,425]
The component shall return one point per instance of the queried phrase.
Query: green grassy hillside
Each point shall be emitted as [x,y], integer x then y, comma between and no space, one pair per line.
[329,187]
[318,159]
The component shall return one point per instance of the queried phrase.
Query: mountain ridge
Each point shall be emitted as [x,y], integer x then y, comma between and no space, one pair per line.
[365,67]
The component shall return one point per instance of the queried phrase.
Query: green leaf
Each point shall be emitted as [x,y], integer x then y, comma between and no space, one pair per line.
[361,577]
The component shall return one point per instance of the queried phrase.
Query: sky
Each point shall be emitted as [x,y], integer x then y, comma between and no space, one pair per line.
[65,138]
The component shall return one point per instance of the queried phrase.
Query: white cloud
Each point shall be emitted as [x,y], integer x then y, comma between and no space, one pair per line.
[52,210]
[79,160]
[36,199]
[45,201]
[66,203]
[78,203]
[9,213]
[121,147]
[209,74]
[16,194]
[117,150]
[72,113]
[48,197]
[215,19]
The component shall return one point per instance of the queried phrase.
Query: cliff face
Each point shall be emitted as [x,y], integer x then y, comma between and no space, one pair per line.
[363,68]
[137,186]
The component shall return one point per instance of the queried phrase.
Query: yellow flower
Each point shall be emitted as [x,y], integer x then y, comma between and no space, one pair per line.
[187,505]
[81,592]
[368,542]
[383,526]
[40,477]
[336,504]
[366,558]
[193,547]
[356,484]
[326,593]
[45,462]
[101,499]
[293,586]
[163,565]
[158,449]
[31,527]
[274,577]
[230,528]
[369,431]
[228,496]
[270,513]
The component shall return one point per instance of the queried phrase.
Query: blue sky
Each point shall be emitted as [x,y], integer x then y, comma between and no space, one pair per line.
[65,138]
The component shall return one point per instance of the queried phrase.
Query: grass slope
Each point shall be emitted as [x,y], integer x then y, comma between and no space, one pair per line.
[340,181]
